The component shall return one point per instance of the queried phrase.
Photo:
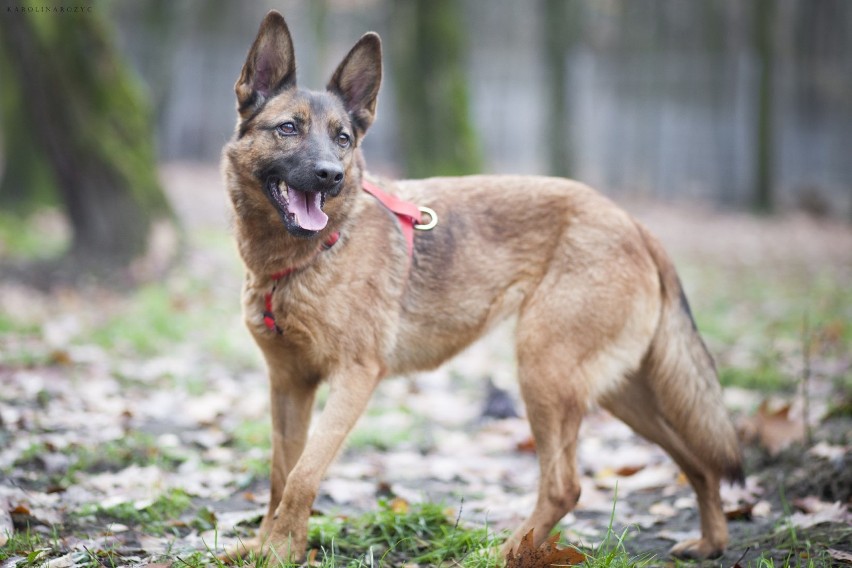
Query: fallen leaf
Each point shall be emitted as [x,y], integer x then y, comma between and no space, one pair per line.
[761,509]
[776,429]
[742,512]
[546,555]
[61,357]
[811,505]
[398,505]
[662,509]
[834,513]
[526,445]
[829,452]
[653,477]
[628,470]
[20,510]
[840,555]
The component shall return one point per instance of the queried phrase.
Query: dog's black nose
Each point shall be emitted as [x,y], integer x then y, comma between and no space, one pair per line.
[329,174]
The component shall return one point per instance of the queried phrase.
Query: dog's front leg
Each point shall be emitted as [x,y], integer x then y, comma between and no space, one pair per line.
[291,406]
[349,393]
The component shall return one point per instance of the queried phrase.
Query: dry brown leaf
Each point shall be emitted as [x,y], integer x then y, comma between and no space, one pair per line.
[742,512]
[526,446]
[546,555]
[20,510]
[398,505]
[61,357]
[776,429]
[628,470]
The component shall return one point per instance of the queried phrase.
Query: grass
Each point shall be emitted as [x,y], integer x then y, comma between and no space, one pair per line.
[425,534]
[396,534]
[156,518]
[41,235]
[755,320]
[133,449]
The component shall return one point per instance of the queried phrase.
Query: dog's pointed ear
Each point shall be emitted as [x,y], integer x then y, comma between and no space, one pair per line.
[357,79]
[270,66]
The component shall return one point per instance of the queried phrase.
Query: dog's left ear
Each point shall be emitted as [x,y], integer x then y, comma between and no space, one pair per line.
[357,81]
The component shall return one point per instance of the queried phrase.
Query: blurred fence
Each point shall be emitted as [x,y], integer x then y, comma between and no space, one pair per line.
[661,96]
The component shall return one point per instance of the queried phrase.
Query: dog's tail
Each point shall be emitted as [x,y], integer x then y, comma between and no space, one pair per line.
[683,377]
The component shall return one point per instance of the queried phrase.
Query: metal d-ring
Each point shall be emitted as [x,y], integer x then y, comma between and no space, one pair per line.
[433,219]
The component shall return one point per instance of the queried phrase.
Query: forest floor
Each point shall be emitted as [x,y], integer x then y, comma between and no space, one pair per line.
[134,423]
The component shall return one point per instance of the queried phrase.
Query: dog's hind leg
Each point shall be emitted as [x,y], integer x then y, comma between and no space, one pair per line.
[555,421]
[555,395]
[637,406]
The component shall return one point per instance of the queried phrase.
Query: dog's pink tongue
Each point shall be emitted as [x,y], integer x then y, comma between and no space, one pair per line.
[305,205]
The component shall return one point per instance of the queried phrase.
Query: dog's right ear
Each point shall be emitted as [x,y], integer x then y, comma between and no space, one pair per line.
[270,66]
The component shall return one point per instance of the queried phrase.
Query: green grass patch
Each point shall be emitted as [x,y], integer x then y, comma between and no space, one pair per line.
[422,534]
[114,455]
[27,544]
[184,310]
[763,378]
[38,236]
[152,320]
[157,517]
[759,321]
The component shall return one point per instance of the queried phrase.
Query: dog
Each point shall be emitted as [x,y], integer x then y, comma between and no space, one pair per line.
[339,289]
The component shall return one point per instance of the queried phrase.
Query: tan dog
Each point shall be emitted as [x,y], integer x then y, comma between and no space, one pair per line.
[601,315]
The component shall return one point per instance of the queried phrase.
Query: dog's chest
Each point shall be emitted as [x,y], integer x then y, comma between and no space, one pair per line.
[289,313]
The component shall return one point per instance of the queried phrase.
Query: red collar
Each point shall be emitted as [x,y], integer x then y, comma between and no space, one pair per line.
[407,213]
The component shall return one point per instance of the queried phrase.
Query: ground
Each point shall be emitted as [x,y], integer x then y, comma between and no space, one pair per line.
[134,422]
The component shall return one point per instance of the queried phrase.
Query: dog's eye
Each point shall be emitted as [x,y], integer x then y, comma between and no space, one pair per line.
[343,140]
[286,129]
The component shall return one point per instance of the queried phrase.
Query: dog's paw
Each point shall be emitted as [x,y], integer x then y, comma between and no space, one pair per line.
[696,549]
[244,550]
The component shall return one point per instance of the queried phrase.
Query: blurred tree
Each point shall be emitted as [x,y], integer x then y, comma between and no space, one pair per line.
[763,18]
[89,120]
[26,181]
[430,83]
[561,25]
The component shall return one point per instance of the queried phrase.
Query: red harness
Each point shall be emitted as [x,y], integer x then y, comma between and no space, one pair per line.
[408,215]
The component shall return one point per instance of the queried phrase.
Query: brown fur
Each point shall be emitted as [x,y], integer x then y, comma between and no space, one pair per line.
[601,316]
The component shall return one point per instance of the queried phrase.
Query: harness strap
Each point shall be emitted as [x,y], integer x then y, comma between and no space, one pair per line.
[268,315]
[407,213]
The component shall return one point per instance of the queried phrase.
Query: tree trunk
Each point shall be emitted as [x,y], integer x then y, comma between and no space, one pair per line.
[763,17]
[560,28]
[428,54]
[27,182]
[89,119]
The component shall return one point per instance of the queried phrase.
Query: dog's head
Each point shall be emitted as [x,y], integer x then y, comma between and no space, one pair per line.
[300,147]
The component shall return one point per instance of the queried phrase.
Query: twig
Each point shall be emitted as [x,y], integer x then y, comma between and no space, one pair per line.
[737,563]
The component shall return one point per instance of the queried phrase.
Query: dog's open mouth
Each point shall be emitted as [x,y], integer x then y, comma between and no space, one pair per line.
[300,208]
